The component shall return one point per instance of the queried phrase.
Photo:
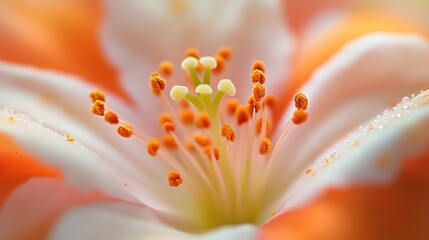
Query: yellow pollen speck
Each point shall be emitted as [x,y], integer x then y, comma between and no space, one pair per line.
[168,126]
[258,76]
[308,171]
[232,106]
[258,91]
[269,101]
[11,118]
[259,125]
[97,95]
[187,116]
[254,105]
[168,141]
[242,114]
[174,179]
[202,120]
[157,83]
[69,138]
[258,65]
[192,52]
[111,117]
[202,140]
[220,64]
[225,52]
[301,101]
[166,68]
[125,130]
[265,146]
[299,116]
[165,117]
[152,147]
[228,133]
[98,108]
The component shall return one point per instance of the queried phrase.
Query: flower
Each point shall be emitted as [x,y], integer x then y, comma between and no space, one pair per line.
[93,157]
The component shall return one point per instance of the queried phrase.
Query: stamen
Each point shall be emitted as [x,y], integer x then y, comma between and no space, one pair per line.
[166,68]
[259,125]
[258,91]
[152,147]
[299,116]
[220,62]
[254,105]
[125,130]
[69,138]
[265,146]
[226,86]
[242,114]
[258,65]
[168,126]
[301,101]
[98,108]
[225,52]
[192,52]
[187,116]
[178,93]
[164,118]
[258,76]
[204,89]
[208,152]
[232,106]
[111,117]
[97,95]
[270,101]
[174,179]
[228,133]
[202,120]
[168,141]
[157,83]
[202,140]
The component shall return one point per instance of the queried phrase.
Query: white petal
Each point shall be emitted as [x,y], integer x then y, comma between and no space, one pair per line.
[139,34]
[363,79]
[124,221]
[372,154]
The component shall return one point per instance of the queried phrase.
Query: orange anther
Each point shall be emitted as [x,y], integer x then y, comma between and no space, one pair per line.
[301,101]
[192,52]
[308,171]
[69,138]
[165,117]
[254,105]
[168,126]
[259,126]
[174,179]
[152,147]
[232,106]
[269,101]
[125,130]
[265,146]
[189,144]
[202,120]
[258,76]
[111,117]
[166,68]
[299,116]
[258,65]
[225,52]
[98,108]
[208,152]
[157,83]
[258,91]
[168,141]
[220,64]
[202,140]
[228,133]
[187,116]
[242,114]
[97,95]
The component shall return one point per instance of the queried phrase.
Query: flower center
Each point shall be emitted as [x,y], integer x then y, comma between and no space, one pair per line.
[220,152]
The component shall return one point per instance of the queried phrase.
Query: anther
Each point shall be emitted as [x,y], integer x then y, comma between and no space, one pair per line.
[168,141]
[174,179]
[226,86]
[208,62]
[258,76]
[187,116]
[301,101]
[157,83]
[111,117]
[208,152]
[192,52]
[258,91]
[189,63]
[165,117]
[202,120]
[259,125]
[265,146]
[178,93]
[152,147]
[269,101]
[202,140]
[225,52]
[228,133]
[189,145]
[308,171]
[254,105]
[168,126]
[69,138]
[166,68]
[125,130]
[220,62]
[232,106]
[258,65]
[203,89]
[97,95]
[299,116]
[98,108]
[242,114]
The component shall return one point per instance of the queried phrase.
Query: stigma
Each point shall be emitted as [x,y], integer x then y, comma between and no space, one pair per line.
[220,150]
